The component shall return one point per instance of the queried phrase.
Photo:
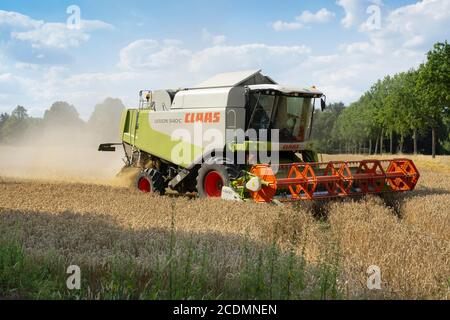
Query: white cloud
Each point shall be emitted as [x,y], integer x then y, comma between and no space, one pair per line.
[38,89]
[58,35]
[414,42]
[26,66]
[214,39]
[353,9]
[282,25]
[356,12]
[49,35]
[145,63]
[18,20]
[321,16]
[343,74]
[2,62]
[91,25]
[363,47]
[53,35]
[247,56]
[14,90]
[338,93]
[306,17]
[150,54]
[406,35]
[418,24]
[173,42]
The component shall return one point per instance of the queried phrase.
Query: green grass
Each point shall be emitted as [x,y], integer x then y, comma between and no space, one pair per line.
[191,274]
[21,276]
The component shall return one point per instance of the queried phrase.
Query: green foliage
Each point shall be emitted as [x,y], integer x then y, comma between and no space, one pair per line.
[408,104]
[433,87]
[434,83]
[22,277]
[62,114]
[103,124]
[323,122]
[445,141]
[14,126]
[189,274]
[106,118]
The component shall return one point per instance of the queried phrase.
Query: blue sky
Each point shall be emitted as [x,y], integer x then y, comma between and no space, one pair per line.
[341,46]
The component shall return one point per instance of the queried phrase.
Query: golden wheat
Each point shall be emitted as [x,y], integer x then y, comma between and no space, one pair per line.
[406,235]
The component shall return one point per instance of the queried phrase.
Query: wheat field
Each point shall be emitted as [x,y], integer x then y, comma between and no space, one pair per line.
[127,242]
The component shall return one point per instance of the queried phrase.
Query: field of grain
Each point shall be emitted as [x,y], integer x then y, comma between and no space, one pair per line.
[132,245]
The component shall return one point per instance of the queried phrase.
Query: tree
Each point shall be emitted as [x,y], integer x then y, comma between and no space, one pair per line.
[411,107]
[323,121]
[14,127]
[350,127]
[62,114]
[402,109]
[105,119]
[446,139]
[433,87]
[399,106]
[20,113]
[3,119]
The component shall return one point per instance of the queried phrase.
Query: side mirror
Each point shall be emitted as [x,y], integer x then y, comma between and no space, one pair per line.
[108,147]
[323,104]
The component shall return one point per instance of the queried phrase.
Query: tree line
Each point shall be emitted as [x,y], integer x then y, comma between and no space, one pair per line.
[405,113]
[19,126]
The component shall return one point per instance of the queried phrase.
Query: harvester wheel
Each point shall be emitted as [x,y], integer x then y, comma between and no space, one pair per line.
[212,177]
[151,180]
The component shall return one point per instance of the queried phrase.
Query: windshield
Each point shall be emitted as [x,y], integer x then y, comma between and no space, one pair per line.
[291,115]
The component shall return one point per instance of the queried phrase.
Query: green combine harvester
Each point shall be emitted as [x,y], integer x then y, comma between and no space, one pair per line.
[242,136]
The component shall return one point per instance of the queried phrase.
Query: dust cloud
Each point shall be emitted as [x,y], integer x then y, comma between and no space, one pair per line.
[61,154]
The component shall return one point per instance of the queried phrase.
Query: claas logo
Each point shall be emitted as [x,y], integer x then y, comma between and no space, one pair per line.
[205,117]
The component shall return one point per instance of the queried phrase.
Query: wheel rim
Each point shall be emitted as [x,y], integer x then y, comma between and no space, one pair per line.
[144,185]
[213,184]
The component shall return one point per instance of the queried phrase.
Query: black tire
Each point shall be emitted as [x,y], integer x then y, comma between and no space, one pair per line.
[213,176]
[151,181]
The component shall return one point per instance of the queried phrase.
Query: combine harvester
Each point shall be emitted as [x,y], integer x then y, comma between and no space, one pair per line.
[242,136]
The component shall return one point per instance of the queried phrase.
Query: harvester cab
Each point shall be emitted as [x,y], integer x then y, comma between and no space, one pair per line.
[243,136]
